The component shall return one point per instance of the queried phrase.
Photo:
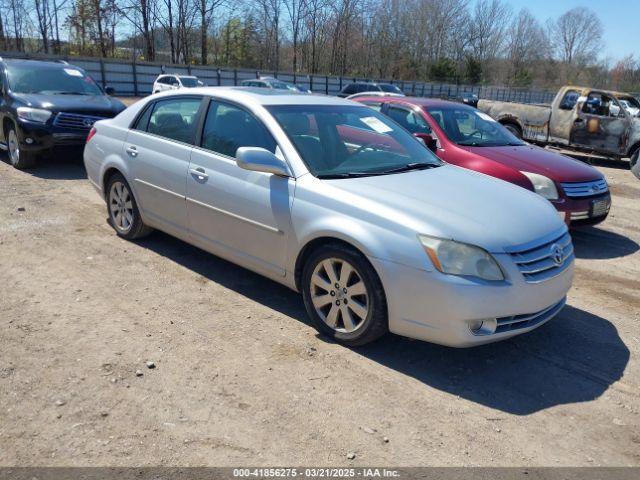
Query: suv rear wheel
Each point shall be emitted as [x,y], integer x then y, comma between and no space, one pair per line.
[18,158]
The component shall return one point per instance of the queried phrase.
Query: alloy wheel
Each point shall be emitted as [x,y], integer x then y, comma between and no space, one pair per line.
[14,147]
[121,207]
[339,295]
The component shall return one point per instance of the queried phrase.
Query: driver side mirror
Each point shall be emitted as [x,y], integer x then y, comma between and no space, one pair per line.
[259,159]
[428,140]
[110,91]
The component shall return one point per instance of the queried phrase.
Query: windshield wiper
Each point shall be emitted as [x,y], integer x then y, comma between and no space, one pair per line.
[403,168]
[70,93]
[329,176]
[410,166]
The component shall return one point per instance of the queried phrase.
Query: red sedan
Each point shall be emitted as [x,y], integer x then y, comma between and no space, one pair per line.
[466,137]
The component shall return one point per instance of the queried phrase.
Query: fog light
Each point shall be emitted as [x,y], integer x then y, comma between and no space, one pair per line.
[483,327]
[28,140]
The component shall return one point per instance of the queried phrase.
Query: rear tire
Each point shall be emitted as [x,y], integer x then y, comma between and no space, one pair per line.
[122,208]
[343,295]
[514,129]
[19,158]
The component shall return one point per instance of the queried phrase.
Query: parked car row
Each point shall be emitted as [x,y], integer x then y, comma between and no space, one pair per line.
[426,218]
[342,203]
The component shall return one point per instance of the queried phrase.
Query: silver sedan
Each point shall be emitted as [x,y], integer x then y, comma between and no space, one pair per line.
[340,203]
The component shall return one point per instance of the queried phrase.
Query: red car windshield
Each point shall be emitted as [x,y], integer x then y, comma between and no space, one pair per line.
[469,127]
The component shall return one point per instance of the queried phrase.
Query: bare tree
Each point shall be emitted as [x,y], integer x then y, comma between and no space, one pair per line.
[577,36]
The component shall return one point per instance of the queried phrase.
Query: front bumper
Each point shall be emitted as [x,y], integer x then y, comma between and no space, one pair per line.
[584,211]
[38,137]
[438,308]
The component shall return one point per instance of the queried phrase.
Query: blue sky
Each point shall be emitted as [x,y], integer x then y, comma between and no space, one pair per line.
[620,19]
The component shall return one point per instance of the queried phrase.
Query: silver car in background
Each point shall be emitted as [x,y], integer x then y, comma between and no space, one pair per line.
[338,202]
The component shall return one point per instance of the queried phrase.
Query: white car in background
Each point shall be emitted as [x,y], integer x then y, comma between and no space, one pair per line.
[175,82]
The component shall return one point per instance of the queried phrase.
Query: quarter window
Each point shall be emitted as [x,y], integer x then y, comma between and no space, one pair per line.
[228,128]
[569,100]
[174,119]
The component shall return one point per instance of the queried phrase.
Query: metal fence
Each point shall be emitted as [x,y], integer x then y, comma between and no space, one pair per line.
[134,78]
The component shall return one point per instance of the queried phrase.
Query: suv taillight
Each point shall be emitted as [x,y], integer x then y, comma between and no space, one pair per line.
[92,132]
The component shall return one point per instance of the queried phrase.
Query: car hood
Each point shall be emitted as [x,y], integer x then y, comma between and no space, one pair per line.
[455,203]
[99,105]
[529,158]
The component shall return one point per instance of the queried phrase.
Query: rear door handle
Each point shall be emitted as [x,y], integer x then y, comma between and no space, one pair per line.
[132,151]
[199,173]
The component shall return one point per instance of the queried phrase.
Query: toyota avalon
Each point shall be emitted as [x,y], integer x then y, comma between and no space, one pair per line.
[338,202]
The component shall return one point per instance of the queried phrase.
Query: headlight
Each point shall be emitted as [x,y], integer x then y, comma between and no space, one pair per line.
[543,185]
[457,258]
[34,114]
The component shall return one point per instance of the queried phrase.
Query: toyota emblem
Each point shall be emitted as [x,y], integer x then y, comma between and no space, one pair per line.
[87,122]
[557,254]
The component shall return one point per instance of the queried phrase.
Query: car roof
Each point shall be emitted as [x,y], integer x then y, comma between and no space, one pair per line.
[38,63]
[266,96]
[417,101]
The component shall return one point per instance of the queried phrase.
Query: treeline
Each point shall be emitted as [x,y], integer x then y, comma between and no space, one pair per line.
[484,41]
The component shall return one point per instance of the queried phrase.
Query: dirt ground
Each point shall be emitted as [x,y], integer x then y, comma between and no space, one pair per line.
[241,378]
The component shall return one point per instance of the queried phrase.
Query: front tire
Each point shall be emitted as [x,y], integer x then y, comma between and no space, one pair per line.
[344,296]
[18,157]
[635,164]
[122,208]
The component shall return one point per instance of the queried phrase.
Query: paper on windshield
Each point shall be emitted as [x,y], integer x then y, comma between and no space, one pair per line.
[73,72]
[486,117]
[376,124]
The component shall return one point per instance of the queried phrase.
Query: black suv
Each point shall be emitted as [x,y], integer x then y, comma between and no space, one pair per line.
[46,105]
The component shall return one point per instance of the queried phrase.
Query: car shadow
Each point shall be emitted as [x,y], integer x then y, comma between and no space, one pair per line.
[573,358]
[597,244]
[63,166]
[231,276]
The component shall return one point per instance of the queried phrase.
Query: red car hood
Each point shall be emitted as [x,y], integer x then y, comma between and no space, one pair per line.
[529,158]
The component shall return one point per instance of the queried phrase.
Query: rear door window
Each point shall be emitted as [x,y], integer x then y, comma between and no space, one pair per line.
[175,119]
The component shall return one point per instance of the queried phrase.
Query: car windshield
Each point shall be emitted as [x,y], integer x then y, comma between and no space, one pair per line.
[349,141]
[66,80]
[469,127]
[189,82]
[386,87]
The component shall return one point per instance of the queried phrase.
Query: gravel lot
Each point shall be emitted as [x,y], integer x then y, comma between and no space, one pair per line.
[240,377]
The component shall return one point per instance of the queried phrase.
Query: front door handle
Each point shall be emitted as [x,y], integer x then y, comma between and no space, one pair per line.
[132,151]
[199,173]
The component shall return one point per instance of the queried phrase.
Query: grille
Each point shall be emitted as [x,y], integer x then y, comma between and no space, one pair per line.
[585,189]
[75,121]
[545,261]
[515,322]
